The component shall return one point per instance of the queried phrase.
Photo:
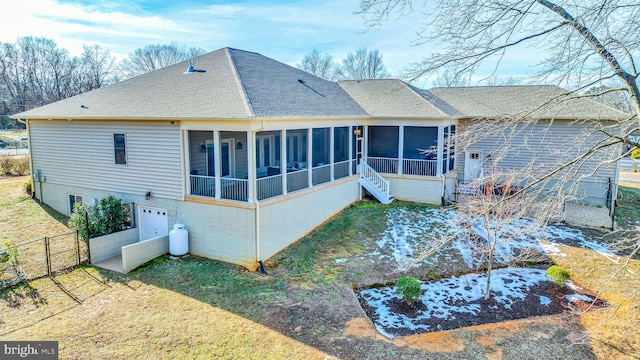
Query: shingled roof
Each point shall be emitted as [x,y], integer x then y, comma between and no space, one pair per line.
[395,98]
[234,84]
[541,101]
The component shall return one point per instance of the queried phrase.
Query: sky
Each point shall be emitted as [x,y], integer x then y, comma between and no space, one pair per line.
[284,30]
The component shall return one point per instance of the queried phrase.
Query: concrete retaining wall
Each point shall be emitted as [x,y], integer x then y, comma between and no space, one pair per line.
[139,253]
[107,246]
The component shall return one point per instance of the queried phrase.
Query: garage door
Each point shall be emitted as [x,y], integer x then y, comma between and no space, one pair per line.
[153,223]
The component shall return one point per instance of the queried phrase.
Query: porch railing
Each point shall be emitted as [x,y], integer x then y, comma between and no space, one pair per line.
[341,169]
[234,189]
[383,165]
[203,185]
[297,180]
[269,186]
[419,167]
[321,174]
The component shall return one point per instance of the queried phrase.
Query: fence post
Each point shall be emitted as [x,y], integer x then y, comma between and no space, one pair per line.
[77,246]
[47,251]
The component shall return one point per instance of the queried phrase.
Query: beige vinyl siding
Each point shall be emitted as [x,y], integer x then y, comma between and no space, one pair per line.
[81,153]
[547,144]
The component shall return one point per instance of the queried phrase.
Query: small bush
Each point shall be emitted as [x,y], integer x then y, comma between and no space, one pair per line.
[557,274]
[6,164]
[108,216]
[409,288]
[8,258]
[27,186]
[635,154]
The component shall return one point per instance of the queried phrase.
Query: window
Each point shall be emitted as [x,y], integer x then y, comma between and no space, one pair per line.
[119,149]
[73,200]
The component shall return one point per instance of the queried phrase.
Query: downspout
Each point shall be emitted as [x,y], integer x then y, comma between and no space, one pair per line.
[254,181]
[33,193]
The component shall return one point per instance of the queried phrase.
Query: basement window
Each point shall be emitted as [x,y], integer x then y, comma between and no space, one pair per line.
[73,200]
[119,149]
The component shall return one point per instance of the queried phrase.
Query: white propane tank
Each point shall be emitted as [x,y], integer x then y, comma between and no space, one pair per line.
[178,240]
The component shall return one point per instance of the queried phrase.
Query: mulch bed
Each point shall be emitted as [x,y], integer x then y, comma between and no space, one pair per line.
[490,310]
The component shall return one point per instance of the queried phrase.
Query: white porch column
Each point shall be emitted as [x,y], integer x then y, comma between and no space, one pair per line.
[400,149]
[217,167]
[365,142]
[283,160]
[439,157]
[251,166]
[351,130]
[310,157]
[186,161]
[331,151]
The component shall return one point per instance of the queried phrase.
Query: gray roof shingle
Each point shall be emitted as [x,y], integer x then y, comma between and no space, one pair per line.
[523,100]
[235,84]
[395,98]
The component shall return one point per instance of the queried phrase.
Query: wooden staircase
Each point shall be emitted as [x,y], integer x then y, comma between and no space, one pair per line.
[377,185]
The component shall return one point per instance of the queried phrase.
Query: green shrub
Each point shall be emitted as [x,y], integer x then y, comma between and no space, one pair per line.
[557,274]
[409,288]
[27,186]
[108,216]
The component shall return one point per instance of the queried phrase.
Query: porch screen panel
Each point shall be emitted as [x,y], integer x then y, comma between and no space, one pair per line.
[320,146]
[340,144]
[199,156]
[445,151]
[420,151]
[383,141]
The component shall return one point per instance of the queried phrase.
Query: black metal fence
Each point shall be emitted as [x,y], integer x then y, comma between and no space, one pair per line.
[41,257]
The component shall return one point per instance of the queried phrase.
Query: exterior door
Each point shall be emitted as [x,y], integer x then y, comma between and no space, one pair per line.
[472,165]
[153,222]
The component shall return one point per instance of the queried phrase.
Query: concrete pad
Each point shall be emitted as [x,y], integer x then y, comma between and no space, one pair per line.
[112,264]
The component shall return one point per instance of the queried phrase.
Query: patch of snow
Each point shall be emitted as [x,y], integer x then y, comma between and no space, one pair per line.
[409,231]
[544,300]
[341,261]
[445,298]
[579,297]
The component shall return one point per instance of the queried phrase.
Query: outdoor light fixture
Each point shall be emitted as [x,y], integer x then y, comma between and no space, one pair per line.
[239,146]
[357,132]
[147,196]
[203,147]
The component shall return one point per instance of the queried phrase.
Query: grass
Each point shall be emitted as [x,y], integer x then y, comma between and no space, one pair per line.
[23,218]
[628,213]
[199,308]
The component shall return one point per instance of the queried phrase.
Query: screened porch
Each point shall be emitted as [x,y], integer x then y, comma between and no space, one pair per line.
[411,150]
[285,161]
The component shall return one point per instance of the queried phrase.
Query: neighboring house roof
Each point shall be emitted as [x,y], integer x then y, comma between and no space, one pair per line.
[524,100]
[234,84]
[395,98]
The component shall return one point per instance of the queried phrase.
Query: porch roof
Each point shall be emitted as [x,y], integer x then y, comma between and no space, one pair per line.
[533,101]
[232,84]
[395,98]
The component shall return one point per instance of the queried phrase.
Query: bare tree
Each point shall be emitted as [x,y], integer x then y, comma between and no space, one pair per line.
[493,203]
[448,78]
[587,43]
[321,65]
[153,57]
[364,64]
[98,68]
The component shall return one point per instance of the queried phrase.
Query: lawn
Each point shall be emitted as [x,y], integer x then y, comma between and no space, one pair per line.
[305,308]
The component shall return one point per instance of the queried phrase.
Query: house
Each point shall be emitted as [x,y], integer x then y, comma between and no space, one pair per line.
[557,131]
[248,153]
